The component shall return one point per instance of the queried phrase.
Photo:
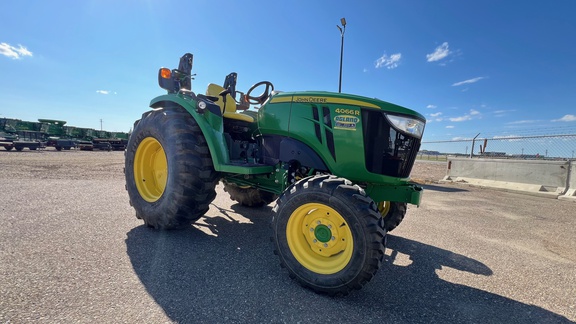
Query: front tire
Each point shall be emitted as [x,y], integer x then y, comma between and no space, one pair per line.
[392,212]
[170,177]
[328,234]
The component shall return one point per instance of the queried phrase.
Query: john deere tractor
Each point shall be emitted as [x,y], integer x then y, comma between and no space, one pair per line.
[338,166]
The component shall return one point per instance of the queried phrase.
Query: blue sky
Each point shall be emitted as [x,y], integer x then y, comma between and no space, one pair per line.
[501,67]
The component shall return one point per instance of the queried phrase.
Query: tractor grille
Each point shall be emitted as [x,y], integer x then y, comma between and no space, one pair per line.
[386,150]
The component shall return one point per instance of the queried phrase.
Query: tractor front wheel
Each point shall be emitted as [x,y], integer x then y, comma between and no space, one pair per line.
[328,234]
[392,212]
[250,197]
[170,177]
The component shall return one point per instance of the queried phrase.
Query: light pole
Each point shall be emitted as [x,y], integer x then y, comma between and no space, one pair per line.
[342,31]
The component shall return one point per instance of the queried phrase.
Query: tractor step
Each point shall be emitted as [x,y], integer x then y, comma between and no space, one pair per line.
[245,168]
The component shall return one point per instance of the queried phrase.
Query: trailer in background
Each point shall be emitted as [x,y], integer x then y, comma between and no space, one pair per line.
[18,134]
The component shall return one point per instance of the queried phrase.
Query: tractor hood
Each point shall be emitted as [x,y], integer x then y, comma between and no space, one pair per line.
[325,97]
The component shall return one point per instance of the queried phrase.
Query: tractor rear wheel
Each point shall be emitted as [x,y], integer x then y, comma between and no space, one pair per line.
[392,212]
[328,234]
[250,197]
[170,177]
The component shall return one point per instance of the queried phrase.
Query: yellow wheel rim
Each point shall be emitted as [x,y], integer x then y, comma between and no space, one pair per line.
[150,169]
[319,238]
[384,208]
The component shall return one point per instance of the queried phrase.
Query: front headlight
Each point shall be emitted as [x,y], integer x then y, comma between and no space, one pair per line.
[408,125]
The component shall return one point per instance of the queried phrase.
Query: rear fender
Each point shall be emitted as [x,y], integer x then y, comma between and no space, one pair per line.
[210,124]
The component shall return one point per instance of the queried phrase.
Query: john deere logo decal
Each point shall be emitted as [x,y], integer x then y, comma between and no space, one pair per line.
[347,122]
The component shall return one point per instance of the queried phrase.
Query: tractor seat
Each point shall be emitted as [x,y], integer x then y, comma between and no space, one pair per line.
[230,110]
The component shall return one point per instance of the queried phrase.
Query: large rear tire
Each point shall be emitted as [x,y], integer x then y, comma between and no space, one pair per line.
[250,197]
[328,234]
[392,212]
[170,177]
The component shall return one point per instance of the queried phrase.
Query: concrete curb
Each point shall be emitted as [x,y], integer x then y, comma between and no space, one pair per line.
[551,179]
[525,188]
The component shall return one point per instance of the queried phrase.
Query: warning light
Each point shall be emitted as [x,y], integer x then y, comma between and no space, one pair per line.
[165,73]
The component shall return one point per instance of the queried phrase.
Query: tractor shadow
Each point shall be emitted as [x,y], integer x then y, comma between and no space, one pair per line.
[223,270]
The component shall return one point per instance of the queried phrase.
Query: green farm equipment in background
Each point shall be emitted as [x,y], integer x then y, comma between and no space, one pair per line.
[338,166]
[18,134]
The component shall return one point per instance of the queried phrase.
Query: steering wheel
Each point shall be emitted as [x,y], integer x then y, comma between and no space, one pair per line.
[261,98]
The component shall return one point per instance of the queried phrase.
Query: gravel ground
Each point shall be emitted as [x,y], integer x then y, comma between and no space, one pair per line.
[69,165]
[71,250]
[428,172]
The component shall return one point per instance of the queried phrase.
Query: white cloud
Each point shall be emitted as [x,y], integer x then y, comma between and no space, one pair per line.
[519,122]
[12,52]
[474,80]
[104,92]
[439,53]
[460,119]
[449,126]
[504,136]
[389,62]
[365,70]
[502,113]
[436,114]
[431,106]
[508,138]
[434,119]
[471,115]
[566,118]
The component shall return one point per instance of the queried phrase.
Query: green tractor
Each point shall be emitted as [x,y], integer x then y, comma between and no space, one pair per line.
[338,166]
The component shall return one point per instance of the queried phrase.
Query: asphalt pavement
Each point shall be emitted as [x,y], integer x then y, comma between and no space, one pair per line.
[71,251]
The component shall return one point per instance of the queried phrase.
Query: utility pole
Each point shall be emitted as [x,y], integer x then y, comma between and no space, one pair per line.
[342,31]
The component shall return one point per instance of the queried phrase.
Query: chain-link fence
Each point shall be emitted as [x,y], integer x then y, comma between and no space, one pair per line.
[551,147]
